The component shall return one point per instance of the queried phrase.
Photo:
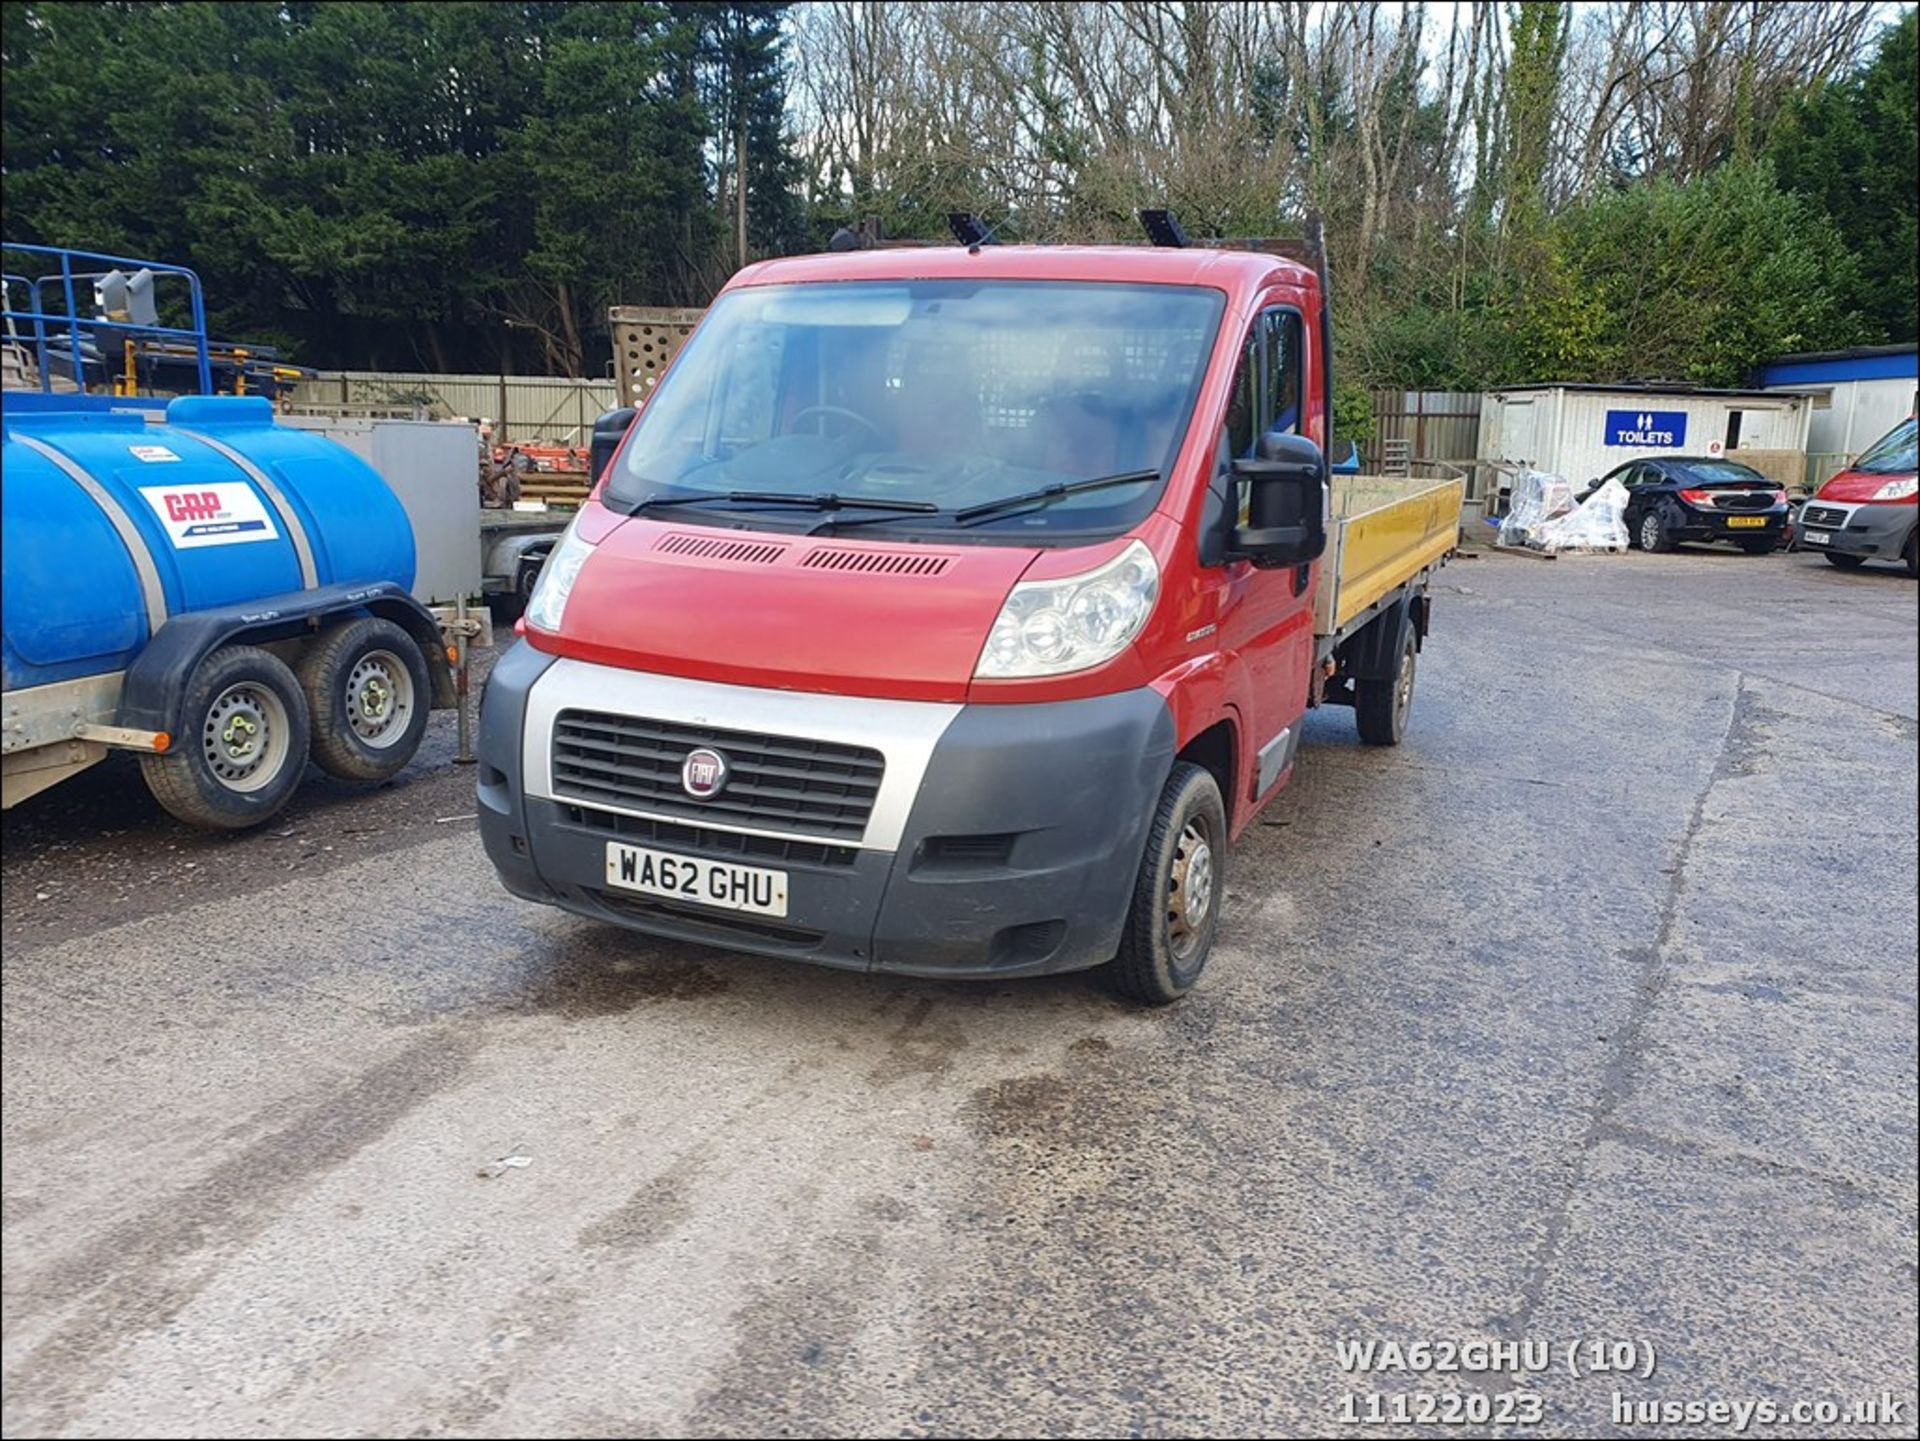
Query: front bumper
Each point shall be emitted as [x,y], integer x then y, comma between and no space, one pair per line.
[1006,845]
[1875,529]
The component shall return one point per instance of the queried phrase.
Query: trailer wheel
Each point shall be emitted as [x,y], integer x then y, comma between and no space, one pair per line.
[367,686]
[1175,910]
[1840,560]
[1380,707]
[242,745]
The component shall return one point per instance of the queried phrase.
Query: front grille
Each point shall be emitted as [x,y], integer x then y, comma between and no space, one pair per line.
[705,841]
[1744,500]
[1823,515]
[774,782]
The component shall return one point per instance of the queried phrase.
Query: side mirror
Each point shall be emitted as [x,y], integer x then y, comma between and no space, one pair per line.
[607,433]
[1287,506]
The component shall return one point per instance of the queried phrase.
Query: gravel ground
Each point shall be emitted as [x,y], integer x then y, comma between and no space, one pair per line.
[1588,1015]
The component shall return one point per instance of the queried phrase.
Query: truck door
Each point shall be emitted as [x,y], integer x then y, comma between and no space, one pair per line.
[1266,616]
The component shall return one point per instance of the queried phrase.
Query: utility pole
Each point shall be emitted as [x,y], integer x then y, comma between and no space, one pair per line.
[506,345]
[740,178]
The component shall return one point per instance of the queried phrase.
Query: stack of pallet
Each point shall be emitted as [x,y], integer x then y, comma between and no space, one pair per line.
[562,488]
[558,477]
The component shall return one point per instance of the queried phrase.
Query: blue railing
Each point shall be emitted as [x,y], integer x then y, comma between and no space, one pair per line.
[48,326]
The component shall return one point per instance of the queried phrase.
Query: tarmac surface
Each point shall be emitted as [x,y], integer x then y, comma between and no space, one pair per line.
[1585,1016]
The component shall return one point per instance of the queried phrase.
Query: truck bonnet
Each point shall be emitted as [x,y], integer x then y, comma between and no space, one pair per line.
[790,612]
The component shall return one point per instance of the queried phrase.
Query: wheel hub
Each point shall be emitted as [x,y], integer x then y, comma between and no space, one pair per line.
[379,698]
[1190,890]
[244,736]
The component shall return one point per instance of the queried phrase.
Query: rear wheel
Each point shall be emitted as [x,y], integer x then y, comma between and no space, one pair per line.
[1381,707]
[1652,534]
[1175,910]
[242,745]
[1761,544]
[1844,561]
[367,688]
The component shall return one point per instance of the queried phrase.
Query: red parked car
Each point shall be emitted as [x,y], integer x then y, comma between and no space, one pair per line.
[1868,511]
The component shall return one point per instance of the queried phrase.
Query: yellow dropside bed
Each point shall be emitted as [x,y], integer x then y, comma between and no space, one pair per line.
[1385,531]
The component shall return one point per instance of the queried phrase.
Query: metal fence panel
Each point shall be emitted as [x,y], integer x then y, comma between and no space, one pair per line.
[522,407]
[1439,425]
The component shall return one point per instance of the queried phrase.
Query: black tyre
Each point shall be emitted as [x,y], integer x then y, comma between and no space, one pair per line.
[368,690]
[1911,555]
[1652,533]
[508,606]
[242,746]
[1381,707]
[1761,544]
[1175,909]
[1844,562]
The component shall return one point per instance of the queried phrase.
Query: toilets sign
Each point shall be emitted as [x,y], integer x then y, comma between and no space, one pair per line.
[1647,429]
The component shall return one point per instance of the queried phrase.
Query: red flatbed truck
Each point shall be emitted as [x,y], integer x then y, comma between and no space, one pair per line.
[948,611]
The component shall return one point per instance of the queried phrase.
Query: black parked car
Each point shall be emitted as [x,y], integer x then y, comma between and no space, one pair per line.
[1697,497]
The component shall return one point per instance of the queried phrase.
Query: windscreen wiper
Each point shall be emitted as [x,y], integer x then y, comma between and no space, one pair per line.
[829,500]
[1048,494]
[824,501]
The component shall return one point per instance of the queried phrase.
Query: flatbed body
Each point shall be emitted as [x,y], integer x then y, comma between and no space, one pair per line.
[1386,534]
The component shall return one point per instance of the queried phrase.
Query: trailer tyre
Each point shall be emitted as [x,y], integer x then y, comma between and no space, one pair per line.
[1175,910]
[367,687]
[242,746]
[1381,707]
[1840,560]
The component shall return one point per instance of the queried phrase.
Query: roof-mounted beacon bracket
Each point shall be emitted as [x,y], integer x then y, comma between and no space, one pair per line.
[969,229]
[1163,230]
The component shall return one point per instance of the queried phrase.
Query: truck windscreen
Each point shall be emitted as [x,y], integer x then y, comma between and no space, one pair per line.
[947,394]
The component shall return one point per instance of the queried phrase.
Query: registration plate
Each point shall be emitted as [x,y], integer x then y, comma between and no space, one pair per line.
[1816,537]
[690,878]
[1746,520]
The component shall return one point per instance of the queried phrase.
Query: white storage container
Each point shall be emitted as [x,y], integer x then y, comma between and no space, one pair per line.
[1580,432]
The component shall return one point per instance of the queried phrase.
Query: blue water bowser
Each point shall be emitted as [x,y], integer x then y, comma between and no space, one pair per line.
[226,596]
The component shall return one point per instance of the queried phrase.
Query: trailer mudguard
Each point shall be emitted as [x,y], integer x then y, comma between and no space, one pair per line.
[157,680]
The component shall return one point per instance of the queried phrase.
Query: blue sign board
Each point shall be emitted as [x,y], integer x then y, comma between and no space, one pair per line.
[1647,429]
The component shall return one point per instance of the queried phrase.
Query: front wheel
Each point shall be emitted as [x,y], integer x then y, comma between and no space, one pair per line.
[242,745]
[1911,554]
[1175,910]
[1844,561]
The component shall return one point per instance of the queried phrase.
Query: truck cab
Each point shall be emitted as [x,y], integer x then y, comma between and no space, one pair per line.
[944,612]
[1868,511]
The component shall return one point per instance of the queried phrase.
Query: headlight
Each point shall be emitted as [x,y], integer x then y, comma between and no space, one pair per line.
[1901,489]
[1050,627]
[550,591]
